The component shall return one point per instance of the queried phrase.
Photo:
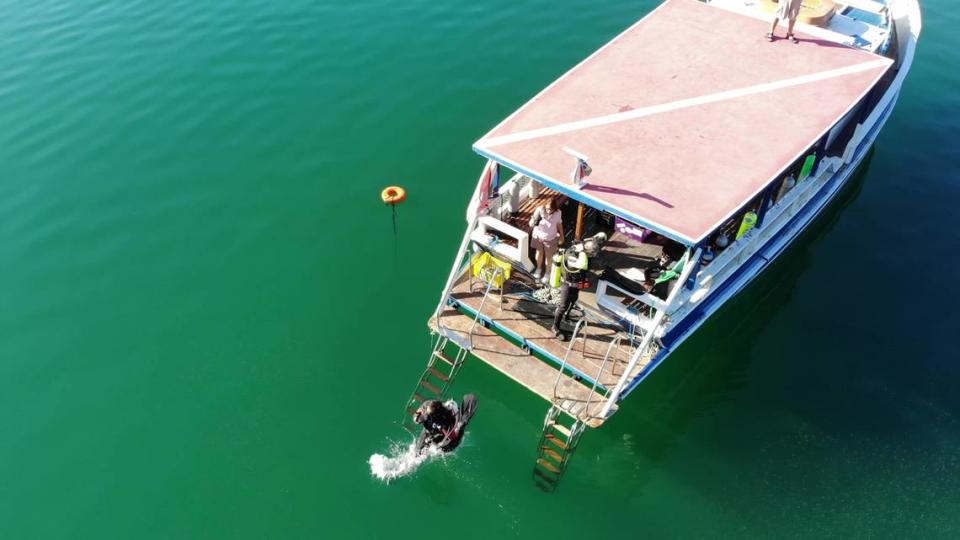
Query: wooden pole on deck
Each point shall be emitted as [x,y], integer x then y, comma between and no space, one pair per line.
[578,232]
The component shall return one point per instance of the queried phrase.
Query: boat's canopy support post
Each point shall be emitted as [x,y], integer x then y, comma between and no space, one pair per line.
[767,203]
[691,262]
[819,151]
[692,279]
[868,103]
[578,232]
[862,110]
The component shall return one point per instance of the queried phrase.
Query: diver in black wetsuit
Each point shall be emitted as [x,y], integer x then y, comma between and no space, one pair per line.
[437,420]
[574,271]
[443,426]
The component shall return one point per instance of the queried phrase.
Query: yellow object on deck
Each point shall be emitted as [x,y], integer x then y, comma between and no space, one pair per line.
[484,267]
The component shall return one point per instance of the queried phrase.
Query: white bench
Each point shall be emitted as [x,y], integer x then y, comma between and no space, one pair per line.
[519,254]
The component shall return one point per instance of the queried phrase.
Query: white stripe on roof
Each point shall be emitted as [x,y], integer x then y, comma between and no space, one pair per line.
[680,104]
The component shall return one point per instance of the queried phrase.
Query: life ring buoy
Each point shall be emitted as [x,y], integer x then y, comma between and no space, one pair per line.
[393,195]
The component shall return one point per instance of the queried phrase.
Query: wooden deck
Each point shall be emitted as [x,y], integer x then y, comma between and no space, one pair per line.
[528,322]
[532,320]
[531,372]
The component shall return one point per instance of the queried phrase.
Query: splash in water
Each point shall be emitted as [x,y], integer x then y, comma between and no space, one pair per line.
[403,460]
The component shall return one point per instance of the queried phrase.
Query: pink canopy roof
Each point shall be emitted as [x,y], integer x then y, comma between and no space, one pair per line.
[684,117]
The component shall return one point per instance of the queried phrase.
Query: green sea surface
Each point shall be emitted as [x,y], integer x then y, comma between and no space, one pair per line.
[207,324]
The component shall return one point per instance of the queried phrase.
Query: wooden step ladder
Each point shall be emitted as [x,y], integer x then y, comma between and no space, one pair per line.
[435,380]
[558,442]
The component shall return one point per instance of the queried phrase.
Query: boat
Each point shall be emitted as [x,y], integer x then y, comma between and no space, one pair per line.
[693,151]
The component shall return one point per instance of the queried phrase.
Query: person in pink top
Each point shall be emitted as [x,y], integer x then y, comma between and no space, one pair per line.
[547,235]
[789,10]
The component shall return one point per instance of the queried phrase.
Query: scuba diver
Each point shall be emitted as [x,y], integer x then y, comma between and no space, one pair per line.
[444,423]
[573,265]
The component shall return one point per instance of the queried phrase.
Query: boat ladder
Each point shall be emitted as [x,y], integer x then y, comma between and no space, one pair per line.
[559,441]
[442,367]
[441,370]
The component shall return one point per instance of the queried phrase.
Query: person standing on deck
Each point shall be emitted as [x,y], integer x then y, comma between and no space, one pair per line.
[575,264]
[547,234]
[789,10]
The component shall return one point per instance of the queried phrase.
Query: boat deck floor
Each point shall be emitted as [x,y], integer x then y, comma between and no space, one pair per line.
[530,320]
[535,375]
[519,319]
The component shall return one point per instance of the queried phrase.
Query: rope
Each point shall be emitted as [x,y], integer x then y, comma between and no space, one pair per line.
[396,238]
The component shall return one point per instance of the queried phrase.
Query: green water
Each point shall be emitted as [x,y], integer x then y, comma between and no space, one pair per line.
[206,327]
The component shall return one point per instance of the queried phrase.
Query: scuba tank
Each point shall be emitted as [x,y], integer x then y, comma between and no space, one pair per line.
[722,242]
[555,274]
[707,257]
[749,221]
[785,187]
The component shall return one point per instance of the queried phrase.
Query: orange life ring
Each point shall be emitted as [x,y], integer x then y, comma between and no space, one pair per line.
[393,195]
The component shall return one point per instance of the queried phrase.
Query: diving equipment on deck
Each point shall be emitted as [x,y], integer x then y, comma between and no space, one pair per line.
[749,220]
[555,272]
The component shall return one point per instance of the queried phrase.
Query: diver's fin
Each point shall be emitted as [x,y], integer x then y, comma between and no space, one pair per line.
[467,408]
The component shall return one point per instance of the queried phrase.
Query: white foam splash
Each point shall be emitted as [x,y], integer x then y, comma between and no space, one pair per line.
[401,461]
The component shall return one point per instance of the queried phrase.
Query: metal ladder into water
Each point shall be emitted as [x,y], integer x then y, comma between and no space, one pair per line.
[436,378]
[559,441]
[442,368]
[566,420]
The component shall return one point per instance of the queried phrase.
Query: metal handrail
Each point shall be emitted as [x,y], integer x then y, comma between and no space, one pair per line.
[455,271]
[688,267]
[582,323]
[615,341]
[493,280]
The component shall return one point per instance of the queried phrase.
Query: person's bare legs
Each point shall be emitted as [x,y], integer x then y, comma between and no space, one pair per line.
[537,260]
[790,29]
[549,250]
[770,35]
